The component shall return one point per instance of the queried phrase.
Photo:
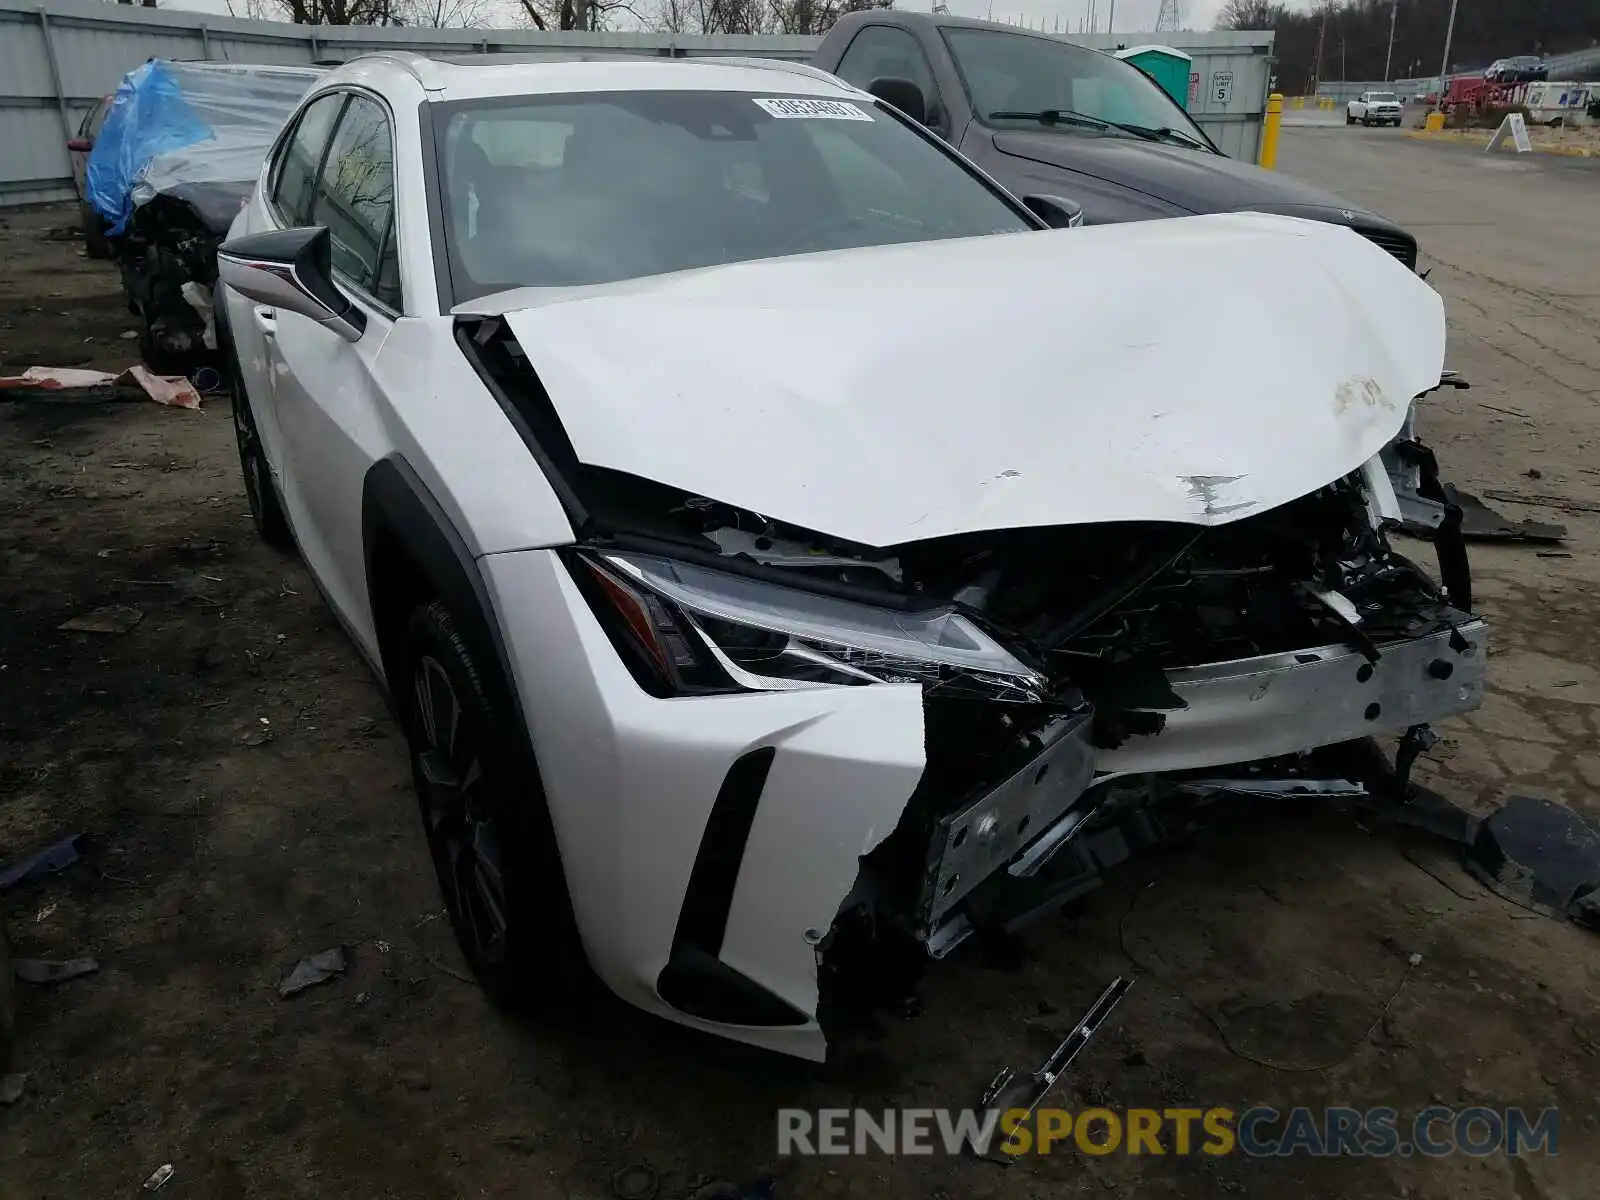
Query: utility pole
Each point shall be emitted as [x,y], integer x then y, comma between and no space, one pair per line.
[1449,36]
[1111,17]
[1316,70]
[1388,59]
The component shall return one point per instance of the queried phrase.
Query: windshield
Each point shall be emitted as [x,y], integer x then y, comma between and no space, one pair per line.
[1014,73]
[582,189]
[1382,96]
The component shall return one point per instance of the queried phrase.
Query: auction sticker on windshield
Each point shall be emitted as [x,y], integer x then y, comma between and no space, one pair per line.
[817,110]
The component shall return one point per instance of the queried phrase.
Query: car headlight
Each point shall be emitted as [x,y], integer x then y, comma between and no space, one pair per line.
[696,630]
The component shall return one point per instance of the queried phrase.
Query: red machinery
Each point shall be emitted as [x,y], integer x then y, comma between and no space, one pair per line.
[1475,92]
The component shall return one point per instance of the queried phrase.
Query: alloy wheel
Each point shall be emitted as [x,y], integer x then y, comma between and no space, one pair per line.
[460,817]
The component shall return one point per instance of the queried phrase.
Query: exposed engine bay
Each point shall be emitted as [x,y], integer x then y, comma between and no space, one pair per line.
[1075,677]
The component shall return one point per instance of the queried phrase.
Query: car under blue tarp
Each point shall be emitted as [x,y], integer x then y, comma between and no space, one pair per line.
[195,130]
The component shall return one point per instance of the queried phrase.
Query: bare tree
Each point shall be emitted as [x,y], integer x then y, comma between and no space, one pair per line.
[816,17]
[444,14]
[320,12]
[1250,14]
[672,16]
[754,16]
[575,14]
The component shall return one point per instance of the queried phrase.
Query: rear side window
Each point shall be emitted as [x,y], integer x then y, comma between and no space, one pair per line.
[881,51]
[355,200]
[302,156]
[95,119]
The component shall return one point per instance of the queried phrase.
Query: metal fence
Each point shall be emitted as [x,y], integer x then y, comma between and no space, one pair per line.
[58,57]
[1579,65]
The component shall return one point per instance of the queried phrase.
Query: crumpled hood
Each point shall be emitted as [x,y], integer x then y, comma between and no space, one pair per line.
[1195,180]
[1195,370]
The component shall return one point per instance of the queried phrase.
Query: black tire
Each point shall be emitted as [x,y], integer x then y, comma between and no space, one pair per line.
[487,825]
[95,243]
[1349,120]
[8,1001]
[265,508]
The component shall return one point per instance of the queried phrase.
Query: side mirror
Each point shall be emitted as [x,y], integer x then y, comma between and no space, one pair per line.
[79,145]
[291,269]
[1055,211]
[904,95]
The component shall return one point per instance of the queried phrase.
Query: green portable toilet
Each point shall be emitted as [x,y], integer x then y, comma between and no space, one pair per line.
[1168,67]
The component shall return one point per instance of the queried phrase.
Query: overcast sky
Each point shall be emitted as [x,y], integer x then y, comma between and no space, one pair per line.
[1131,16]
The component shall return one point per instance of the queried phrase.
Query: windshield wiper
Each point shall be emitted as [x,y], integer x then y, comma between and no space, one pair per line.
[1052,116]
[1163,133]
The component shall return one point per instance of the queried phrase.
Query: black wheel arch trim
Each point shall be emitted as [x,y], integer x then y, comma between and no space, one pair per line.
[395,501]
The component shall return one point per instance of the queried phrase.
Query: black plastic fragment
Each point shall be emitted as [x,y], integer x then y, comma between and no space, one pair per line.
[1542,855]
[55,857]
[1480,523]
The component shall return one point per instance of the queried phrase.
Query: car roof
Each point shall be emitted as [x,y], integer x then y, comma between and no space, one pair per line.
[485,76]
[905,17]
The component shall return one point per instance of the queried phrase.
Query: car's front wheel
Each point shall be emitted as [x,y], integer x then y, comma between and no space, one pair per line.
[265,509]
[488,830]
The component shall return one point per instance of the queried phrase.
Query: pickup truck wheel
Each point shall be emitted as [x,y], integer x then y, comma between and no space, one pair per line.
[1349,120]
[488,829]
[95,244]
[265,509]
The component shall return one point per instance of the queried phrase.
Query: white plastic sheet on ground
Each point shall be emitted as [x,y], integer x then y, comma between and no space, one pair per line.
[172,390]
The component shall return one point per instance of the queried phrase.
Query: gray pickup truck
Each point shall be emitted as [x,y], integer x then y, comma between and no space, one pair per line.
[1044,116]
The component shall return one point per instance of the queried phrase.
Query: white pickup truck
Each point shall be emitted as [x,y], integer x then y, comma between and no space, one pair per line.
[1375,108]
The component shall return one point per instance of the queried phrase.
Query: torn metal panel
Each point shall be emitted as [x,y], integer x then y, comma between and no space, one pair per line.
[973,842]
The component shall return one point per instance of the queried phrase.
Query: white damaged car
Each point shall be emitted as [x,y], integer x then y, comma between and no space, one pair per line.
[772,558]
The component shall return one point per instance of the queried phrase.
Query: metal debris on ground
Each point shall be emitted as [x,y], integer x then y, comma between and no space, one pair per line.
[312,970]
[1480,523]
[45,972]
[112,618]
[1541,855]
[12,1087]
[55,857]
[158,1177]
[172,390]
[1010,1090]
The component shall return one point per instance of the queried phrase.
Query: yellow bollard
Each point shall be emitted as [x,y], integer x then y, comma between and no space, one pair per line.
[1435,122]
[1298,102]
[1269,132]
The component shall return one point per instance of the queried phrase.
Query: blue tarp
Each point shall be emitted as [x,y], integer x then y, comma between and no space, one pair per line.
[178,123]
[148,116]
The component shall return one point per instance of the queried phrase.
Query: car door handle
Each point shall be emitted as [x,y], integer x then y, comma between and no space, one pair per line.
[267,321]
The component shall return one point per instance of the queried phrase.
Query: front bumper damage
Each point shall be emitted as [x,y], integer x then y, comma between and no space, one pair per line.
[786,770]
[776,866]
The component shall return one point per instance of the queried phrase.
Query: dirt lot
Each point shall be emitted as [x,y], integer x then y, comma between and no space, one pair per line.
[247,802]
